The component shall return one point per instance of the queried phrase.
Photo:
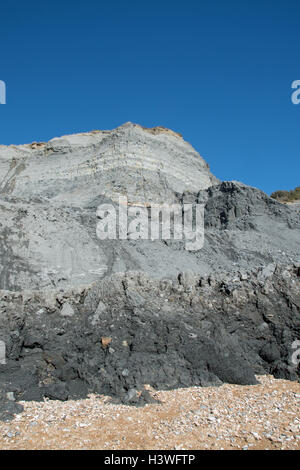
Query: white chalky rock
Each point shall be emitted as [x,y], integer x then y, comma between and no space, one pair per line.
[67,310]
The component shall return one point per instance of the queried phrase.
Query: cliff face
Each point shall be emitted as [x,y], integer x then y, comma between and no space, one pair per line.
[49,194]
[129,330]
[82,314]
[146,165]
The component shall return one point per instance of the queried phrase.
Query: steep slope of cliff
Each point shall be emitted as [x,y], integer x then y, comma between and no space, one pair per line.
[49,194]
[80,313]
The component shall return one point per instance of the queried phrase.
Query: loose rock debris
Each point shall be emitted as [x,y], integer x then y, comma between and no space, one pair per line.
[263,416]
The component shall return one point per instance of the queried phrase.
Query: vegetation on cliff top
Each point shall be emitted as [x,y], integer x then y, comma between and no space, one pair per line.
[287,196]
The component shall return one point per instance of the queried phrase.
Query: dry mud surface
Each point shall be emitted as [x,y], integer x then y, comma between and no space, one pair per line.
[263,416]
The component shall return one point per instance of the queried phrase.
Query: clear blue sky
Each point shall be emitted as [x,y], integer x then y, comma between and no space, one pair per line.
[219,72]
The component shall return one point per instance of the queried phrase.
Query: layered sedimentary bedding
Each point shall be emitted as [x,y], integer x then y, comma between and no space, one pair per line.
[79,314]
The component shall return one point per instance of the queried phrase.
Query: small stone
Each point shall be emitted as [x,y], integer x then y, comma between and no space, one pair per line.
[125,372]
[10,396]
[67,310]
[105,341]
[132,394]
